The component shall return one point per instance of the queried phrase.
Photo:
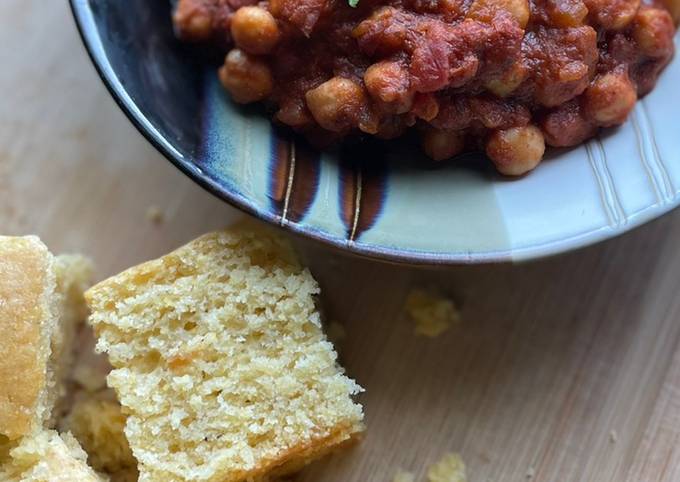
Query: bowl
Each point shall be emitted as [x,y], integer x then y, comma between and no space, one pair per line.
[376,199]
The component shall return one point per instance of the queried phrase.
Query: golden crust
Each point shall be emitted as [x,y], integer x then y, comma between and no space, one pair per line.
[27,315]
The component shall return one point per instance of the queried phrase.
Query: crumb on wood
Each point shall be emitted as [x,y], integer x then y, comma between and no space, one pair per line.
[432,313]
[613,437]
[403,476]
[531,472]
[155,215]
[449,468]
[335,332]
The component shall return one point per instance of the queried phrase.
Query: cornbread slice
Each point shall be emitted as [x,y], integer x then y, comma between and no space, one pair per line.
[97,422]
[41,304]
[220,362]
[48,457]
[29,313]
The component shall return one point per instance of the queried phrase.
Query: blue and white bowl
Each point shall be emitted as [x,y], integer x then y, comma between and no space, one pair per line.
[378,199]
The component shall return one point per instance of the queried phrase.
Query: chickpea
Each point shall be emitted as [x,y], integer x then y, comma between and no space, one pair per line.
[673,7]
[609,99]
[254,30]
[566,13]
[247,78]
[517,150]
[425,106]
[294,113]
[566,125]
[388,82]
[277,7]
[379,16]
[336,104]
[368,120]
[613,14]
[484,10]
[193,20]
[508,81]
[441,145]
[653,32]
[391,128]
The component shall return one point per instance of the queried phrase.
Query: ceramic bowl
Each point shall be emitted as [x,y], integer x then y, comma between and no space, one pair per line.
[380,199]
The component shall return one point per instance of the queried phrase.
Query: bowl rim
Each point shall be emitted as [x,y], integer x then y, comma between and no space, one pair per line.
[89,34]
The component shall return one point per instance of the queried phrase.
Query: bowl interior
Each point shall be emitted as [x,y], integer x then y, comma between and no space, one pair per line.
[374,198]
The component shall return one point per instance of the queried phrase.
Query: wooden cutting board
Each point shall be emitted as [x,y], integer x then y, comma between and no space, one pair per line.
[567,368]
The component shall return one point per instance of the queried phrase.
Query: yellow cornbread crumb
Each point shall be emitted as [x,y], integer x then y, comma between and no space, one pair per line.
[403,476]
[432,313]
[220,363]
[449,469]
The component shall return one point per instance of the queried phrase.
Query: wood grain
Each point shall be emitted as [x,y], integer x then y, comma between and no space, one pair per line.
[550,357]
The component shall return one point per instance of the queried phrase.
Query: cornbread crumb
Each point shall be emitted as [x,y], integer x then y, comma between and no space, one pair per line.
[613,436]
[220,362]
[403,476]
[97,422]
[432,313]
[449,469]
[155,215]
[47,457]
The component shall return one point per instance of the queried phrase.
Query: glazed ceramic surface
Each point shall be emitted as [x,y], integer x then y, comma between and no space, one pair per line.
[380,199]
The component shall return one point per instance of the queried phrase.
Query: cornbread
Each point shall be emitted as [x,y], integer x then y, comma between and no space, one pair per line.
[41,304]
[220,363]
[450,468]
[74,276]
[432,313]
[403,476]
[29,313]
[97,422]
[48,457]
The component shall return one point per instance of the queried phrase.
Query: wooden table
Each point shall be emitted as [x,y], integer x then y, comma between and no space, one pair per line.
[569,366]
